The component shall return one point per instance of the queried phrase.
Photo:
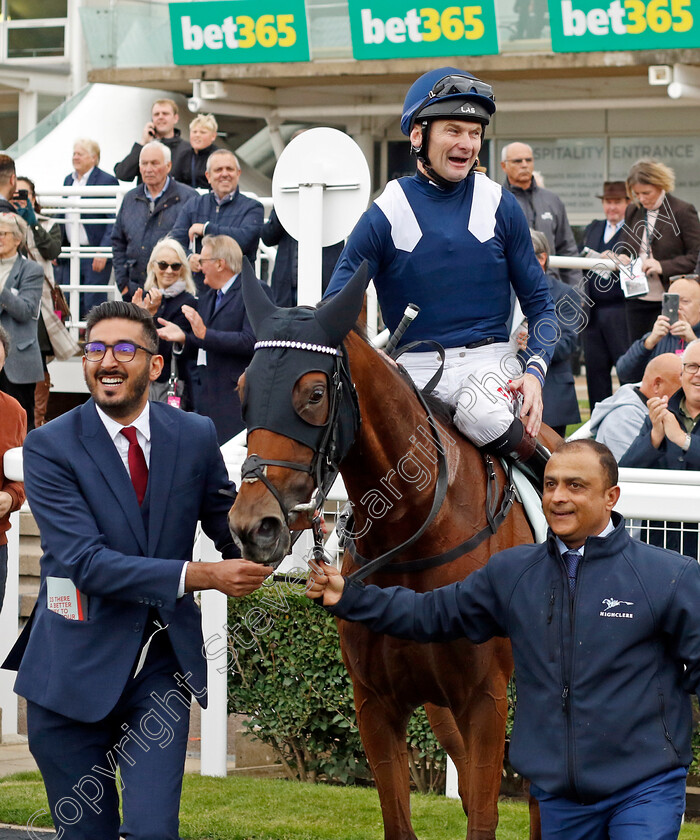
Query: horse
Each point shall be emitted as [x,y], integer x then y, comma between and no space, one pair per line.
[417,487]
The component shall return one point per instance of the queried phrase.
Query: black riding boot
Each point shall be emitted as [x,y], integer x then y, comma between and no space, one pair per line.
[527,452]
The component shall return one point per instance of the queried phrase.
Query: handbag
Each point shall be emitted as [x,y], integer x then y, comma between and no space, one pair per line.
[60,304]
[63,344]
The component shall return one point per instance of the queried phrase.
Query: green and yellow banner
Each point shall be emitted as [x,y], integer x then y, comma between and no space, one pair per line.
[241,32]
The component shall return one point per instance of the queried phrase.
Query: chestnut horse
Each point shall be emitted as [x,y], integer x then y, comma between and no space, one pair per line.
[292,393]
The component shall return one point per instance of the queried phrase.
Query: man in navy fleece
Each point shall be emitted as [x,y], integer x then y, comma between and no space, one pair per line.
[606,645]
[456,244]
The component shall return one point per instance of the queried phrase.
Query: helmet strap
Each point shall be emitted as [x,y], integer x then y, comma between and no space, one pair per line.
[421,154]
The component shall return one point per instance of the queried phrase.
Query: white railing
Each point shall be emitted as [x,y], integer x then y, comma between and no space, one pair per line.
[665,495]
[76,206]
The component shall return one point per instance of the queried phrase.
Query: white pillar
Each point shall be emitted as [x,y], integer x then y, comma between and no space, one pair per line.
[310,244]
[28,112]
[214,744]
[75,47]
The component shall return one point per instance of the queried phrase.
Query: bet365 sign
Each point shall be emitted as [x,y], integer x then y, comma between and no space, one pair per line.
[397,29]
[222,32]
[592,25]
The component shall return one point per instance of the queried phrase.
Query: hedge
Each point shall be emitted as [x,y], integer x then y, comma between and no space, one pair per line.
[286,674]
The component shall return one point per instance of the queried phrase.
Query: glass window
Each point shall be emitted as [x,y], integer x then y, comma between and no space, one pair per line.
[47,41]
[573,168]
[36,9]
[681,153]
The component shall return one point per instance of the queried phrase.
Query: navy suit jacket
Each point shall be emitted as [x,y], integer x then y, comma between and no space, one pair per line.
[98,235]
[126,559]
[229,347]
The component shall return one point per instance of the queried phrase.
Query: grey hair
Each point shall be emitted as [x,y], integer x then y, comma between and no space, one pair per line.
[175,246]
[221,152]
[16,225]
[227,249]
[541,245]
[504,150]
[156,144]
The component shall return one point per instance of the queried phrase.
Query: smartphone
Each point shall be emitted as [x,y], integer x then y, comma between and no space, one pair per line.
[21,195]
[669,307]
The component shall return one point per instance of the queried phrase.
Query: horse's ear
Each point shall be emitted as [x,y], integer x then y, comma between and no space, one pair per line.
[258,305]
[338,316]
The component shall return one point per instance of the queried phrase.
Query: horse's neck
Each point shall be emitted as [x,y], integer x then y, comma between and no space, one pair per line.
[393,463]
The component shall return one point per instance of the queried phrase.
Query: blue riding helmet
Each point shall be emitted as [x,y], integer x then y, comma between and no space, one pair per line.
[448,93]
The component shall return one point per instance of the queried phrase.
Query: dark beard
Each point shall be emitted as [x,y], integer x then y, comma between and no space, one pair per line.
[125,407]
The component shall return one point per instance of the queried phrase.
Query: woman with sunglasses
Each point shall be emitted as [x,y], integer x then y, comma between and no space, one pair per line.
[21,281]
[168,287]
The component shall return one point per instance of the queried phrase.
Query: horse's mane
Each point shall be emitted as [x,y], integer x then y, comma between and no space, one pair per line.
[438,407]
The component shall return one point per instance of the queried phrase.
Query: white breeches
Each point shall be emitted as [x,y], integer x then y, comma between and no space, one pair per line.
[475,383]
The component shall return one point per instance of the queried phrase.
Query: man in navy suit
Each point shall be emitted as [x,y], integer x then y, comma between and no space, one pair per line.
[96,271]
[605,336]
[224,211]
[113,652]
[222,339]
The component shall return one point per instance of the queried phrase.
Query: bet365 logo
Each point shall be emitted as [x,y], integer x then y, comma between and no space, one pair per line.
[627,17]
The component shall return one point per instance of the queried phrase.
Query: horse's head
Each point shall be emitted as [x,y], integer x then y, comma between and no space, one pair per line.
[300,409]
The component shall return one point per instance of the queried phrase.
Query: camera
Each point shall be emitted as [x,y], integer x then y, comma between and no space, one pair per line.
[194,103]
[21,195]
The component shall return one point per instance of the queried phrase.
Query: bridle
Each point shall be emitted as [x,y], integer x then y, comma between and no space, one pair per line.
[325,467]
[325,463]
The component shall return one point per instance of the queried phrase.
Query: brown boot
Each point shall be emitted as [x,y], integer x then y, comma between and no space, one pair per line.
[41,400]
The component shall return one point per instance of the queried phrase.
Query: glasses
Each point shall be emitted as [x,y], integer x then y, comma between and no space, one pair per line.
[123,351]
[163,265]
[691,367]
[209,259]
[520,160]
[450,85]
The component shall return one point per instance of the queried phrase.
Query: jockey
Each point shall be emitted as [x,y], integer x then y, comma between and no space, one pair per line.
[455,243]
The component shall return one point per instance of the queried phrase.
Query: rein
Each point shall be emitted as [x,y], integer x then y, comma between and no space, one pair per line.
[494,521]
[324,468]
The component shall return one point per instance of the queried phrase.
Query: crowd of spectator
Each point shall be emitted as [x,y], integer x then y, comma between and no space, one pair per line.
[167,226]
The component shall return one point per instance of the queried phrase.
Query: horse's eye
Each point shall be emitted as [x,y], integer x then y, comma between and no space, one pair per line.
[317,395]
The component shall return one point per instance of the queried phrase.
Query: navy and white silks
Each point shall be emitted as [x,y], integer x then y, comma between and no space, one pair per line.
[456,254]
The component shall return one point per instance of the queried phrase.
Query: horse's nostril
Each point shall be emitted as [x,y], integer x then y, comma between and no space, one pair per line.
[268,529]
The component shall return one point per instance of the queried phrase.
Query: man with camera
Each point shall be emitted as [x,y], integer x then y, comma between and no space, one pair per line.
[676,327]
[161,127]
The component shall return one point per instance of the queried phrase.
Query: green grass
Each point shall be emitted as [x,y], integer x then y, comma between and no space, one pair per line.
[243,808]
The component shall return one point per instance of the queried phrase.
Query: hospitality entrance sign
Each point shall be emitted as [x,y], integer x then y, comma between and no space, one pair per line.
[241,32]
[396,29]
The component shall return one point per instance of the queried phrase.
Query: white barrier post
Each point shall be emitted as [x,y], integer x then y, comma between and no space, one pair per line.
[214,743]
[310,244]
[9,625]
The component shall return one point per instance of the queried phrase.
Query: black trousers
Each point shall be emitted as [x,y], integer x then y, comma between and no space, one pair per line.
[605,339]
[641,316]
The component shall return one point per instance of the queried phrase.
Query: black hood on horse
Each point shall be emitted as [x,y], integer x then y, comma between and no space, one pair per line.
[293,342]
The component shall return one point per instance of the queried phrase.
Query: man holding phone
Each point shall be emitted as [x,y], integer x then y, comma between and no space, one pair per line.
[162,127]
[674,329]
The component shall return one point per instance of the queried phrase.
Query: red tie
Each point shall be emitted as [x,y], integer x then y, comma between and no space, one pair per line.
[138,468]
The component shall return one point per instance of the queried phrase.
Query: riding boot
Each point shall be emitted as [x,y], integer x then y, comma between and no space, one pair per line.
[526,451]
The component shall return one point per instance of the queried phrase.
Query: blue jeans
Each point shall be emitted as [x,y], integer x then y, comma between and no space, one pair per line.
[649,810]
